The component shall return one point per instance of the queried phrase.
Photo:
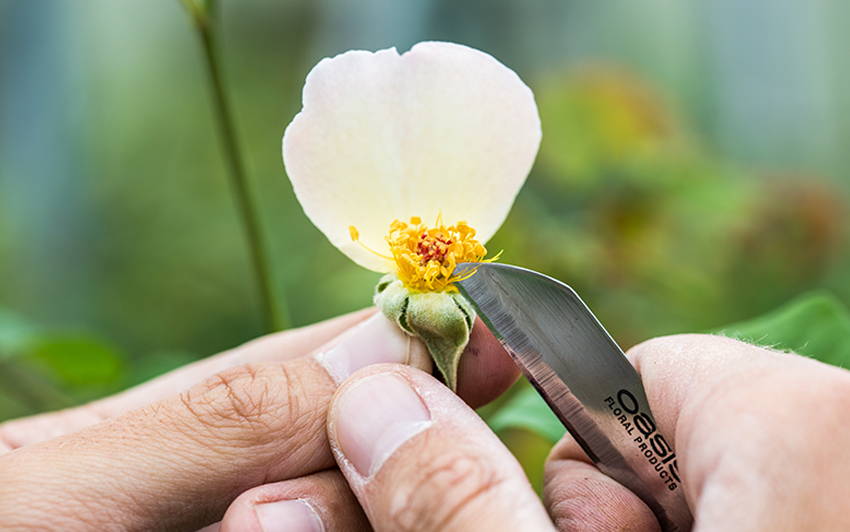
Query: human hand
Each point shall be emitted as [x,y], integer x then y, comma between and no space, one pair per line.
[168,455]
[761,437]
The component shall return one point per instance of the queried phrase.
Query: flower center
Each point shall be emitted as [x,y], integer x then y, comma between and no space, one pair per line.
[425,257]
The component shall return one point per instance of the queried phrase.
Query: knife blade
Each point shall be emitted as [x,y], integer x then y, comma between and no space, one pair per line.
[584,377]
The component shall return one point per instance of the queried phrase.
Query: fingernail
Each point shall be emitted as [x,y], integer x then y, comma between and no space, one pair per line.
[377,340]
[374,417]
[290,515]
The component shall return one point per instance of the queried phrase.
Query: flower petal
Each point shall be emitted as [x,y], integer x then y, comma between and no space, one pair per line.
[443,129]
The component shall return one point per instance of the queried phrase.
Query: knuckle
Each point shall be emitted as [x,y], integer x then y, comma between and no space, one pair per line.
[268,407]
[233,398]
[443,488]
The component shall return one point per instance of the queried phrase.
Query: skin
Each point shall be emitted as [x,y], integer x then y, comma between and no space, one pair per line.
[760,435]
[252,416]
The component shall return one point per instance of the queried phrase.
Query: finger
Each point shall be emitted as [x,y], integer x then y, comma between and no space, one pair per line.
[690,381]
[672,369]
[486,370]
[418,458]
[314,503]
[275,347]
[178,463]
[580,497]
[735,411]
[679,369]
[250,425]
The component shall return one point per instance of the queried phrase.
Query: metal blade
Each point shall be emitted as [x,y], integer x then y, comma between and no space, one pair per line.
[585,378]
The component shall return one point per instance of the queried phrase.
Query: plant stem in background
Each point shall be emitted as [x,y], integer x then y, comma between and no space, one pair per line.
[203,13]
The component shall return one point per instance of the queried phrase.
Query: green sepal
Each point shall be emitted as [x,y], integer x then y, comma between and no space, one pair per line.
[442,320]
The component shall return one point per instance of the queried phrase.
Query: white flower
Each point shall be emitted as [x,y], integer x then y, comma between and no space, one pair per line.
[442,133]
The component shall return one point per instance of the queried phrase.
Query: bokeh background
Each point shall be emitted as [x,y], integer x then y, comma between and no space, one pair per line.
[693,172]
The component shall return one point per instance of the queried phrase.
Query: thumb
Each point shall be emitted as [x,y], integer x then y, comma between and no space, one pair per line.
[418,458]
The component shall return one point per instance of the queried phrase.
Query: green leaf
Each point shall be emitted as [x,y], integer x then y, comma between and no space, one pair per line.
[527,410]
[815,324]
[158,363]
[44,370]
[531,449]
[78,361]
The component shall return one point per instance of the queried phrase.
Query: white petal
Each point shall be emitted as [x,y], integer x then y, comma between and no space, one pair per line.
[442,129]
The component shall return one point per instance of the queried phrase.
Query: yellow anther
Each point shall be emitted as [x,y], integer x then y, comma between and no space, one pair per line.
[425,257]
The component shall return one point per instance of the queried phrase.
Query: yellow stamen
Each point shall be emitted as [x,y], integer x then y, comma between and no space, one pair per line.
[355,237]
[425,257]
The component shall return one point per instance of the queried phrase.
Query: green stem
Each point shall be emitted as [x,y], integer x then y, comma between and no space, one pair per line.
[273,313]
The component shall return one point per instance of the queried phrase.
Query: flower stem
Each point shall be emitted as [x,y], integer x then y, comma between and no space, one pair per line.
[273,313]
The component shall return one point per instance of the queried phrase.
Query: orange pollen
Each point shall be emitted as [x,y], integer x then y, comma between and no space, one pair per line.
[433,248]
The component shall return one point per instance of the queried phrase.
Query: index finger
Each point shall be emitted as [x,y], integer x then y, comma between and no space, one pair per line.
[178,463]
[722,403]
[281,346]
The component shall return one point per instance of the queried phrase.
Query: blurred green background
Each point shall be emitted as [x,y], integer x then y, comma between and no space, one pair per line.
[693,171]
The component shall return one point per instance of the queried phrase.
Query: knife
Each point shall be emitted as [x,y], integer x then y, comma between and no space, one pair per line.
[584,377]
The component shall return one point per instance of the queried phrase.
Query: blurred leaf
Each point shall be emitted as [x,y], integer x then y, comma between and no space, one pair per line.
[12,406]
[816,325]
[15,333]
[28,389]
[527,410]
[157,363]
[531,449]
[78,361]
[46,370]
[24,388]
[605,125]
